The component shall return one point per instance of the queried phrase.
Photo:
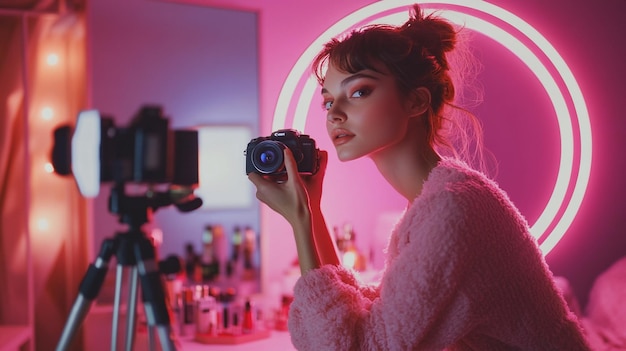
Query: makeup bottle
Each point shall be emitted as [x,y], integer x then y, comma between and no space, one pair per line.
[227,299]
[351,256]
[204,305]
[248,320]
[282,316]
[177,313]
[189,309]
[213,321]
[209,262]
[249,252]
[173,298]
[236,240]
[220,247]
[236,311]
[215,315]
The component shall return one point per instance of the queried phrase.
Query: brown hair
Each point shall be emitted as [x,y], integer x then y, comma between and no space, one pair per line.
[416,54]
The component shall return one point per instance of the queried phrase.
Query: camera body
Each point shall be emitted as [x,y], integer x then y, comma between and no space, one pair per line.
[264,155]
[147,151]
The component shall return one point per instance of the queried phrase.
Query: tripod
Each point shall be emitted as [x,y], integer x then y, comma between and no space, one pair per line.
[132,249]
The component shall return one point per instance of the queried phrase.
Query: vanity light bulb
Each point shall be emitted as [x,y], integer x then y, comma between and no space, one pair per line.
[43,225]
[47,113]
[52,59]
[48,167]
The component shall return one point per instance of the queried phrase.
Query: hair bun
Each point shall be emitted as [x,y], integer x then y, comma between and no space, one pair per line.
[435,35]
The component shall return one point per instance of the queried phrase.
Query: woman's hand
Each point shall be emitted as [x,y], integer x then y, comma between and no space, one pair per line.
[298,199]
[291,198]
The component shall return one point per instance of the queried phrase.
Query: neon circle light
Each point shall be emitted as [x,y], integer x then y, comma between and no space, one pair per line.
[462,13]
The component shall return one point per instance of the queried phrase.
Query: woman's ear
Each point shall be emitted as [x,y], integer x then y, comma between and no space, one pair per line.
[419,101]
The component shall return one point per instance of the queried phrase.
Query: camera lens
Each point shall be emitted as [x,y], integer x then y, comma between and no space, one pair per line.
[267,157]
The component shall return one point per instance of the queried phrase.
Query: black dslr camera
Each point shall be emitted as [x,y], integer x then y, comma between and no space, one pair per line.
[147,151]
[264,155]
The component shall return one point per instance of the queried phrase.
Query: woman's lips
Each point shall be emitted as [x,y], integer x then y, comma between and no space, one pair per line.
[341,136]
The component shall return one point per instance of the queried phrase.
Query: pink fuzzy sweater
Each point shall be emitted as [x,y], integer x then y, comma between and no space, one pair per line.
[462,273]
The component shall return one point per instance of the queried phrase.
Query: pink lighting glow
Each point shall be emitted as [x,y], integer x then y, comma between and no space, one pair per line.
[521,39]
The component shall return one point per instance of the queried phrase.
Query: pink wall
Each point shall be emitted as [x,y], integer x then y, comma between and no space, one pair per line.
[590,39]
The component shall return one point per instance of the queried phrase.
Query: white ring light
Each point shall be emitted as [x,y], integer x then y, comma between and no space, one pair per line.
[557,200]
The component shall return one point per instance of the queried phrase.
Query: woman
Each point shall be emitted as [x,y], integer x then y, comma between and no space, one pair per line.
[462,271]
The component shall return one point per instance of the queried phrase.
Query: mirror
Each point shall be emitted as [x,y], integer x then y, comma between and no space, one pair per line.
[200,65]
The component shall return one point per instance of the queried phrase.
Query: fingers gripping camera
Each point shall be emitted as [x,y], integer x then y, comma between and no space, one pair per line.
[264,155]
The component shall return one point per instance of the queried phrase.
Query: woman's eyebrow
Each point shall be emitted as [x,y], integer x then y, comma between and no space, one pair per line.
[358,75]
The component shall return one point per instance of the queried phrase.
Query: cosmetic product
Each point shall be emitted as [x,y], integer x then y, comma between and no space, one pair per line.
[227,298]
[216,315]
[177,313]
[204,305]
[193,261]
[248,321]
[213,322]
[283,312]
[209,263]
[189,319]
[226,318]
[237,240]
[219,323]
[207,243]
[220,246]
[249,248]
[235,328]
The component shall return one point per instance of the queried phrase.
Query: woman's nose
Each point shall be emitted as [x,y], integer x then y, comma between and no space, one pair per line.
[335,115]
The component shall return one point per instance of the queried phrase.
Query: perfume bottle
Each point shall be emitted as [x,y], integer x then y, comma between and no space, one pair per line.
[351,256]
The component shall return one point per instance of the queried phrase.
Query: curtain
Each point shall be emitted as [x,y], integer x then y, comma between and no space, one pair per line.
[44,232]
[13,247]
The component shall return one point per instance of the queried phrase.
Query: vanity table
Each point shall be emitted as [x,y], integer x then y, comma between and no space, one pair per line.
[278,341]
[98,326]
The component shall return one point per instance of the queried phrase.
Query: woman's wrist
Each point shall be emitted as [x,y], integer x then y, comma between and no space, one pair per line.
[302,217]
[305,244]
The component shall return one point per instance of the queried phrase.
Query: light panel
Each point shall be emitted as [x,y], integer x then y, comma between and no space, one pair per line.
[223,180]
[86,152]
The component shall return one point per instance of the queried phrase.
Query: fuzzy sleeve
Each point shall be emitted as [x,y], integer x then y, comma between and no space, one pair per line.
[420,302]
[326,311]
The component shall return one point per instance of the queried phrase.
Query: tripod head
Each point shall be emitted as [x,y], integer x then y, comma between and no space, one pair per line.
[137,210]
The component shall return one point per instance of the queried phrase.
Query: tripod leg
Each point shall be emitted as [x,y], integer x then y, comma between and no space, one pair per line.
[153,291]
[89,288]
[131,309]
[119,274]
[151,345]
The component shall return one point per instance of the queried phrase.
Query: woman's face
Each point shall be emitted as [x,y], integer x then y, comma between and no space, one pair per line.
[366,113]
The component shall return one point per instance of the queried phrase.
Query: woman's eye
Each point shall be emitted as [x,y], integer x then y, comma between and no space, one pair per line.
[360,93]
[326,105]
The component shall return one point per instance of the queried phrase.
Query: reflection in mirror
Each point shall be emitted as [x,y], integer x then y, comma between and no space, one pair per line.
[202,70]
